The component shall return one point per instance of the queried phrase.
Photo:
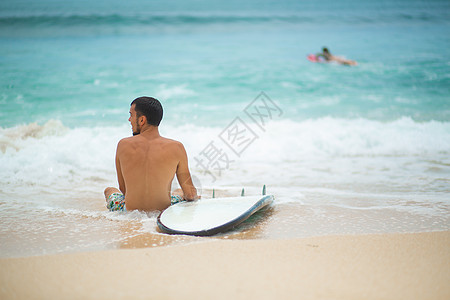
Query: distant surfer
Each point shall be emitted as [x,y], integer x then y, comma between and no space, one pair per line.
[328,57]
[146,164]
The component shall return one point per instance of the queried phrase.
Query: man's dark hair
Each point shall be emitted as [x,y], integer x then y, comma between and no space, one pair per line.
[149,107]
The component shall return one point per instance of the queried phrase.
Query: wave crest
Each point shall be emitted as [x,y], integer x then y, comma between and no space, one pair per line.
[205,19]
[14,137]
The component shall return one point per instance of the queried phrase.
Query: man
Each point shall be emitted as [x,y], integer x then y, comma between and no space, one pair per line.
[329,57]
[147,162]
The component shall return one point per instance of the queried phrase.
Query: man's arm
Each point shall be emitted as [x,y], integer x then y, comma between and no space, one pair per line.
[184,176]
[119,169]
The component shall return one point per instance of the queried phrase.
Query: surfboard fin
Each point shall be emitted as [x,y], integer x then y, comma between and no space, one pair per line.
[264,190]
[242,192]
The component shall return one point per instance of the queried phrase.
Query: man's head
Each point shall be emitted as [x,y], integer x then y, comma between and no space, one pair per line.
[145,110]
[325,50]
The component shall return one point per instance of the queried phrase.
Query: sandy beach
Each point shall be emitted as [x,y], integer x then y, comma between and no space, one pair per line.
[388,266]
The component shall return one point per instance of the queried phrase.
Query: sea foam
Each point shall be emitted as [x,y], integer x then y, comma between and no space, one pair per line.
[54,155]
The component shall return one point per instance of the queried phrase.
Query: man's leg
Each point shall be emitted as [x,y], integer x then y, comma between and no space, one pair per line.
[115,200]
[176,196]
[177,192]
[109,191]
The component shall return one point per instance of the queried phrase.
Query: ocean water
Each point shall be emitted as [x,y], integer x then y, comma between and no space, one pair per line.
[344,150]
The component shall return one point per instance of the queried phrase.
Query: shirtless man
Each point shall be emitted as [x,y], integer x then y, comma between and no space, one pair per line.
[329,57]
[147,162]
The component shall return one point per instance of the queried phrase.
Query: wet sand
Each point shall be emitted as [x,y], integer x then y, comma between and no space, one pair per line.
[388,266]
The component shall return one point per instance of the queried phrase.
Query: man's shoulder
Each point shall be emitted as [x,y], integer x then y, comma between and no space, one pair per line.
[135,141]
[172,143]
[126,141]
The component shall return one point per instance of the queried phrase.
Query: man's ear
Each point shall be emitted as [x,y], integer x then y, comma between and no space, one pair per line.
[142,120]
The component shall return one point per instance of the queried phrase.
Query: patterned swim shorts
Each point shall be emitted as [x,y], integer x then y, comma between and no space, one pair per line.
[116,201]
[174,199]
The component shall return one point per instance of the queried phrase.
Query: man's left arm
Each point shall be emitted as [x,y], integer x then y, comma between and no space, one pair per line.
[184,177]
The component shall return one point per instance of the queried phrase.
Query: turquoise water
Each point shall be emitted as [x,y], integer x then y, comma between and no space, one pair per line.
[83,63]
[361,149]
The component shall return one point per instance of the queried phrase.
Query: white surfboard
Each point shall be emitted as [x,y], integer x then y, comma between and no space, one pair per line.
[210,216]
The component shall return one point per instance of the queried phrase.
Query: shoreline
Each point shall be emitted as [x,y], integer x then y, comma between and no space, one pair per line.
[377,266]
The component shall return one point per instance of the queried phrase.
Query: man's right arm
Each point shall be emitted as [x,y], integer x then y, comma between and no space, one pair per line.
[120,178]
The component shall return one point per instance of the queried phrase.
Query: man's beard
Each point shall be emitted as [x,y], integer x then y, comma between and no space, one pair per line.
[138,130]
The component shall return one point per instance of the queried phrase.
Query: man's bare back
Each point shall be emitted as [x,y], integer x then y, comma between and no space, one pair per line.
[146,164]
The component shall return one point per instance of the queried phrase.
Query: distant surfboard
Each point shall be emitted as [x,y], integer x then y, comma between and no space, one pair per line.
[210,216]
[336,59]
[312,58]
[315,58]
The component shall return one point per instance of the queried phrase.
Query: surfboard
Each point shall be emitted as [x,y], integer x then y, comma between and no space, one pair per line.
[314,58]
[210,216]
